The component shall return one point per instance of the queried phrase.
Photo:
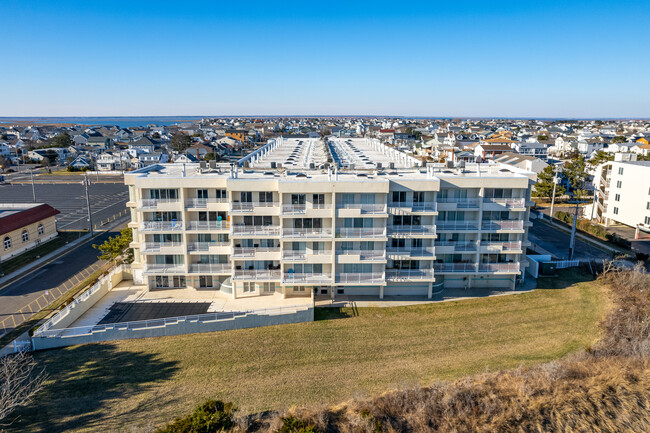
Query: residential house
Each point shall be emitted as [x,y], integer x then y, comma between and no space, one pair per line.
[25,226]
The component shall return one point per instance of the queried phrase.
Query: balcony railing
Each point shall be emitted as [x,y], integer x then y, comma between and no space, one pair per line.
[164,269]
[240,229]
[457,225]
[507,202]
[210,268]
[307,233]
[201,203]
[498,267]
[303,254]
[369,232]
[208,225]
[416,252]
[252,251]
[306,278]
[248,207]
[502,246]
[454,267]
[257,274]
[416,206]
[153,247]
[412,230]
[462,203]
[152,203]
[364,254]
[503,225]
[360,278]
[205,246]
[409,274]
[294,209]
[161,225]
[364,208]
[458,246]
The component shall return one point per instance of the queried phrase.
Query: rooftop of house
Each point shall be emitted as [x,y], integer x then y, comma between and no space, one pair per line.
[16,215]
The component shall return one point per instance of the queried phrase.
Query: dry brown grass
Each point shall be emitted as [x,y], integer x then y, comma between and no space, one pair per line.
[604,389]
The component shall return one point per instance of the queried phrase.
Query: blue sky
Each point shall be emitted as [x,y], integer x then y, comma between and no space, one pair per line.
[467,58]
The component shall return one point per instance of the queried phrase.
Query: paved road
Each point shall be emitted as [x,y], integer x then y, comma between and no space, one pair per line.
[28,295]
[557,242]
[106,200]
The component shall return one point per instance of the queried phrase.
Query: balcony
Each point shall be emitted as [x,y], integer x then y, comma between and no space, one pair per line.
[306,278]
[369,232]
[307,233]
[207,226]
[210,268]
[509,203]
[454,226]
[250,207]
[503,225]
[164,269]
[202,203]
[428,230]
[303,255]
[457,246]
[501,246]
[355,209]
[369,255]
[245,230]
[416,207]
[244,252]
[294,209]
[360,278]
[162,247]
[161,226]
[155,203]
[205,246]
[412,252]
[409,274]
[257,275]
[506,268]
[454,267]
[459,203]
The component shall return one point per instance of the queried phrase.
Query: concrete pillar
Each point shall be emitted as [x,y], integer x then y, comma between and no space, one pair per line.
[381,292]
[234,289]
[430,292]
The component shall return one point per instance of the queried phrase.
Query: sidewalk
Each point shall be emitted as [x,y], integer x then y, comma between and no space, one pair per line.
[7,279]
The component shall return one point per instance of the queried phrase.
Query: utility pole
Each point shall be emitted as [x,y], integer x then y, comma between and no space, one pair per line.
[554,187]
[573,230]
[31,173]
[90,218]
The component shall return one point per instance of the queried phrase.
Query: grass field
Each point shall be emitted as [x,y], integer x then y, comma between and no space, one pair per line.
[138,384]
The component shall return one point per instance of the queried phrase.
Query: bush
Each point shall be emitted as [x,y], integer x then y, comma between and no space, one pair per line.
[294,425]
[211,416]
[564,217]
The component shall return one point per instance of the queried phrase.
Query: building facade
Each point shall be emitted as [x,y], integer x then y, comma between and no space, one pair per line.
[623,192]
[25,226]
[346,217]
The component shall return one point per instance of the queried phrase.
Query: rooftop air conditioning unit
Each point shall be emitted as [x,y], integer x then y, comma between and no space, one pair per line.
[213,164]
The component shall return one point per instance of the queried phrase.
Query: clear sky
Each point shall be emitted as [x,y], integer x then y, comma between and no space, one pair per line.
[521,58]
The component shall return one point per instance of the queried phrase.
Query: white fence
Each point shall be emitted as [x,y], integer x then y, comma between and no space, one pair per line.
[563,264]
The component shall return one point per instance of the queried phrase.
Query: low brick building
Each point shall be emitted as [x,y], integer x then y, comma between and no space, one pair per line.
[24,226]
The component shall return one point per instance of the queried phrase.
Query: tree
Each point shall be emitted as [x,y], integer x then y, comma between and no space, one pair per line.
[575,171]
[156,135]
[542,137]
[117,246]
[18,382]
[601,157]
[619,139]
[62,140]
[4,163]
[180,141]
[45,162]
[544,185]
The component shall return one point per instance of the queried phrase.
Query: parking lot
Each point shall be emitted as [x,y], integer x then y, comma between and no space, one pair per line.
[107,200]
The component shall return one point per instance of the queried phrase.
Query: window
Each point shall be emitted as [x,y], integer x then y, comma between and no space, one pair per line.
[620,170]
[41,229]
[647,206]
[25,236]
[617,197]
[7,243]
[647,220]
[246,196]
[318,201]
[297,198]
[179,281]
[615,211]
[619,183]
[249,287]
[266,197]
[399,196]
[205,281]
[202,193]
[163,194]
[220,193]
[269,287]
[418,197]
[162,281]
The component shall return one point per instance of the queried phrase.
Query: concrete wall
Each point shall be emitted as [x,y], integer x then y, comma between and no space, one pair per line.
[186,327]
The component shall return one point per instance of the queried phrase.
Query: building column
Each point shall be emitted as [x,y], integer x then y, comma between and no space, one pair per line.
[234,289]
[430,292]
[381,292]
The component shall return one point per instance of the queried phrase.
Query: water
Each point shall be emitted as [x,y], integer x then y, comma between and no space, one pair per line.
[124,121]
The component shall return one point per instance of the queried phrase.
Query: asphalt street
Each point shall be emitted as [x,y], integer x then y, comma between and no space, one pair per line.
[557,242]
[20,299]
[106,200]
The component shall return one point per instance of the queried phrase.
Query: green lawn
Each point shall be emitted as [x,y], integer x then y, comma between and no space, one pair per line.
[138,384]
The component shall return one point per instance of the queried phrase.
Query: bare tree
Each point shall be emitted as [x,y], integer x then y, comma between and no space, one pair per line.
[18,382]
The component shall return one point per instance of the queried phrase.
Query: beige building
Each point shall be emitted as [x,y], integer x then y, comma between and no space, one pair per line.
[350,216]
[24,226]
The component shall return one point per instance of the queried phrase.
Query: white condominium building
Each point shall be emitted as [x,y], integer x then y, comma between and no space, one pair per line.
[346,216]
[623,192]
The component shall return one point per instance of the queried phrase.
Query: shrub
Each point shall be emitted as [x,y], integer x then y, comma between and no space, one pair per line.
[564,216]
[211,416]
[294,425]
